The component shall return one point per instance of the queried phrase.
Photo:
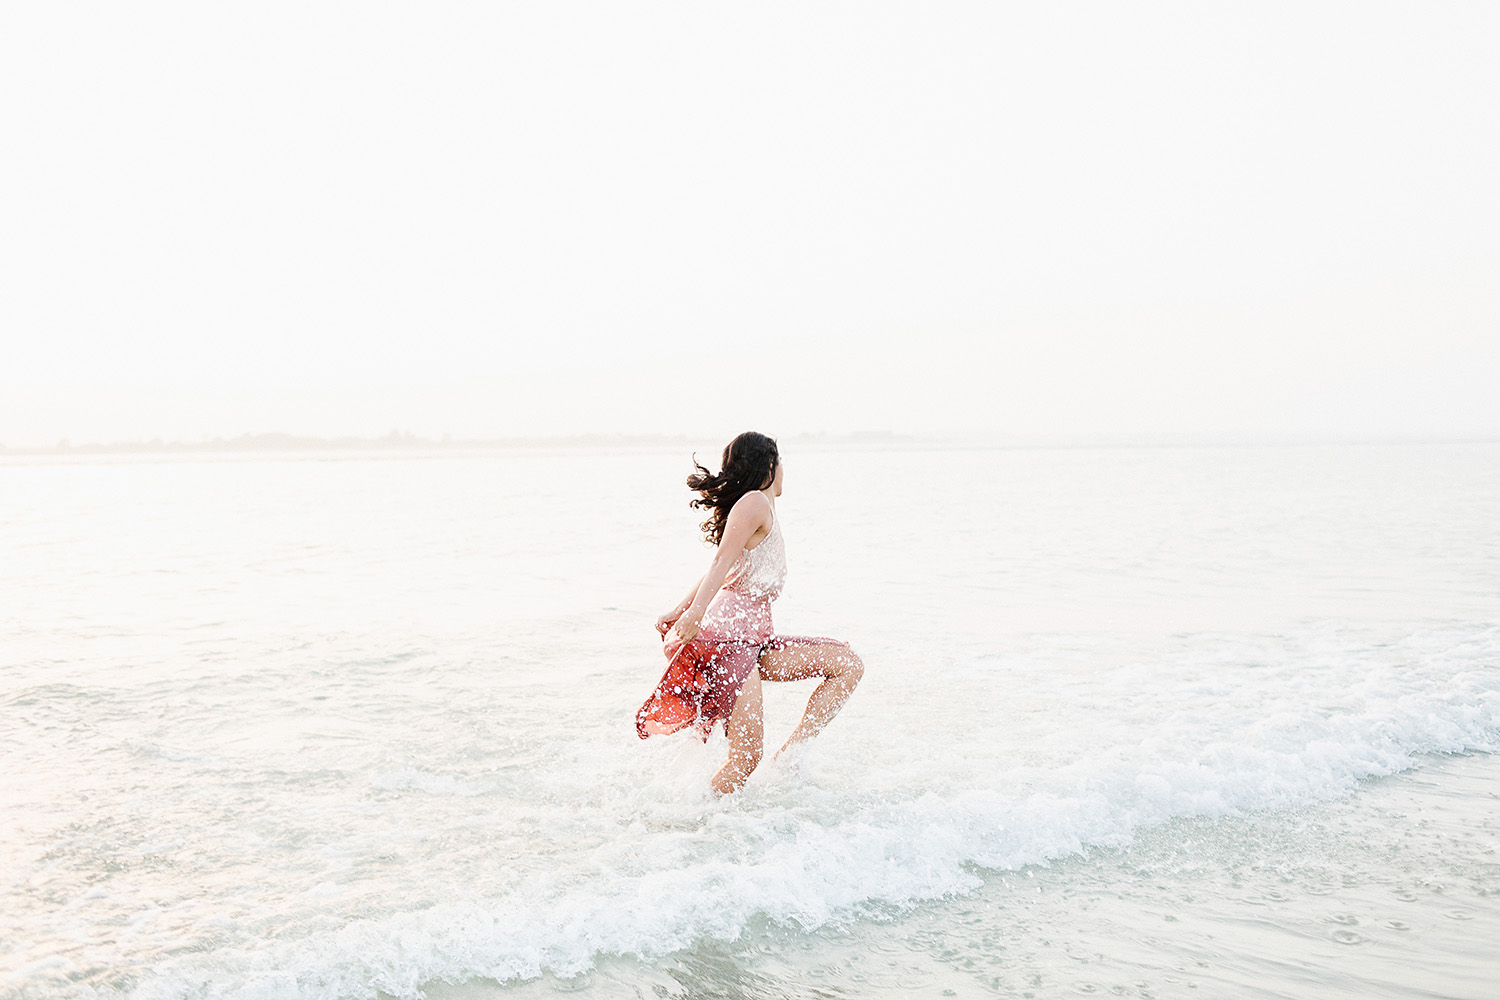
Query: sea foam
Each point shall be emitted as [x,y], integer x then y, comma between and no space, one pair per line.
[795,853]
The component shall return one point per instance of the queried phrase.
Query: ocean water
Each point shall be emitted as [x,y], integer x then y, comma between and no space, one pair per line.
[1140,722]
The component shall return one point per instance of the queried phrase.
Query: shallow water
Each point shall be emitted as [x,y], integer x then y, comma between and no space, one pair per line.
[327,727]
[1394,892]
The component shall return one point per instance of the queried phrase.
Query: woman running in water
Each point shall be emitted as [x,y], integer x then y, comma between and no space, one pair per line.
[719,641]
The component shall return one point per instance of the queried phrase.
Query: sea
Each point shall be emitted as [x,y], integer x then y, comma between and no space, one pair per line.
[1135,721]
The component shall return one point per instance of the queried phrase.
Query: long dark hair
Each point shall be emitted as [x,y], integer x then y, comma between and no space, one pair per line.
[749,463]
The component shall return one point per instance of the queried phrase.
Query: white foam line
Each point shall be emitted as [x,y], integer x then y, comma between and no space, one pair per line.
[873,861]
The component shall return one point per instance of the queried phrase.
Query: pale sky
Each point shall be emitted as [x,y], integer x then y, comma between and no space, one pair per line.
[493,219]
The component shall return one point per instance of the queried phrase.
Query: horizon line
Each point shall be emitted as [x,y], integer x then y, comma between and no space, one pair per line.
[406,441]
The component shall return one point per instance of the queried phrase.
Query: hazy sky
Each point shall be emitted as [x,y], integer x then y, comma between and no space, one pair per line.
[534,218]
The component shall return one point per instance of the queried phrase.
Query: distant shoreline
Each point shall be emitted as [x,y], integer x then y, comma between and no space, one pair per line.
[401,442]
[281,442]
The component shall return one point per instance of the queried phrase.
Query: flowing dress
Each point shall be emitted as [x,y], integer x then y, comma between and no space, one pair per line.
[704,677]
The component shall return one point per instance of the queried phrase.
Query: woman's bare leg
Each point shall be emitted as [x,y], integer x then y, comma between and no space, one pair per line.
[836,663]
[746,738]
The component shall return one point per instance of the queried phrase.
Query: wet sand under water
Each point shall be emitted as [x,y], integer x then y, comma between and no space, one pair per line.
[1394,892]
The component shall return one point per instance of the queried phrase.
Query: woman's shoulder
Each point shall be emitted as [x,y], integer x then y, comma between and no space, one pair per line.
[750,513]
[755,502]
[754,506]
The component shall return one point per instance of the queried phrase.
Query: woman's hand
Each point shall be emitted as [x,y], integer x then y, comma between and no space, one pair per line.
[667,620]
[687,628]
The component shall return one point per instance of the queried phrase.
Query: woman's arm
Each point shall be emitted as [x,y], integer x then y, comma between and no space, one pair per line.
[747,517]
[667,620]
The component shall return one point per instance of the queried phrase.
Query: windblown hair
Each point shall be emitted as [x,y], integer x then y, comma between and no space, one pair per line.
[749,463]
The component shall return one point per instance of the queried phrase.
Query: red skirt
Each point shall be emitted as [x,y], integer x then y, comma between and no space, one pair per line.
[703,681]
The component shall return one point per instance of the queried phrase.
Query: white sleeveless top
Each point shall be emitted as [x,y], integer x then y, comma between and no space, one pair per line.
[760,572]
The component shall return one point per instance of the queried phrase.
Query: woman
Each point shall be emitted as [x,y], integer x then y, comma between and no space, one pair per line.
[721,643]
